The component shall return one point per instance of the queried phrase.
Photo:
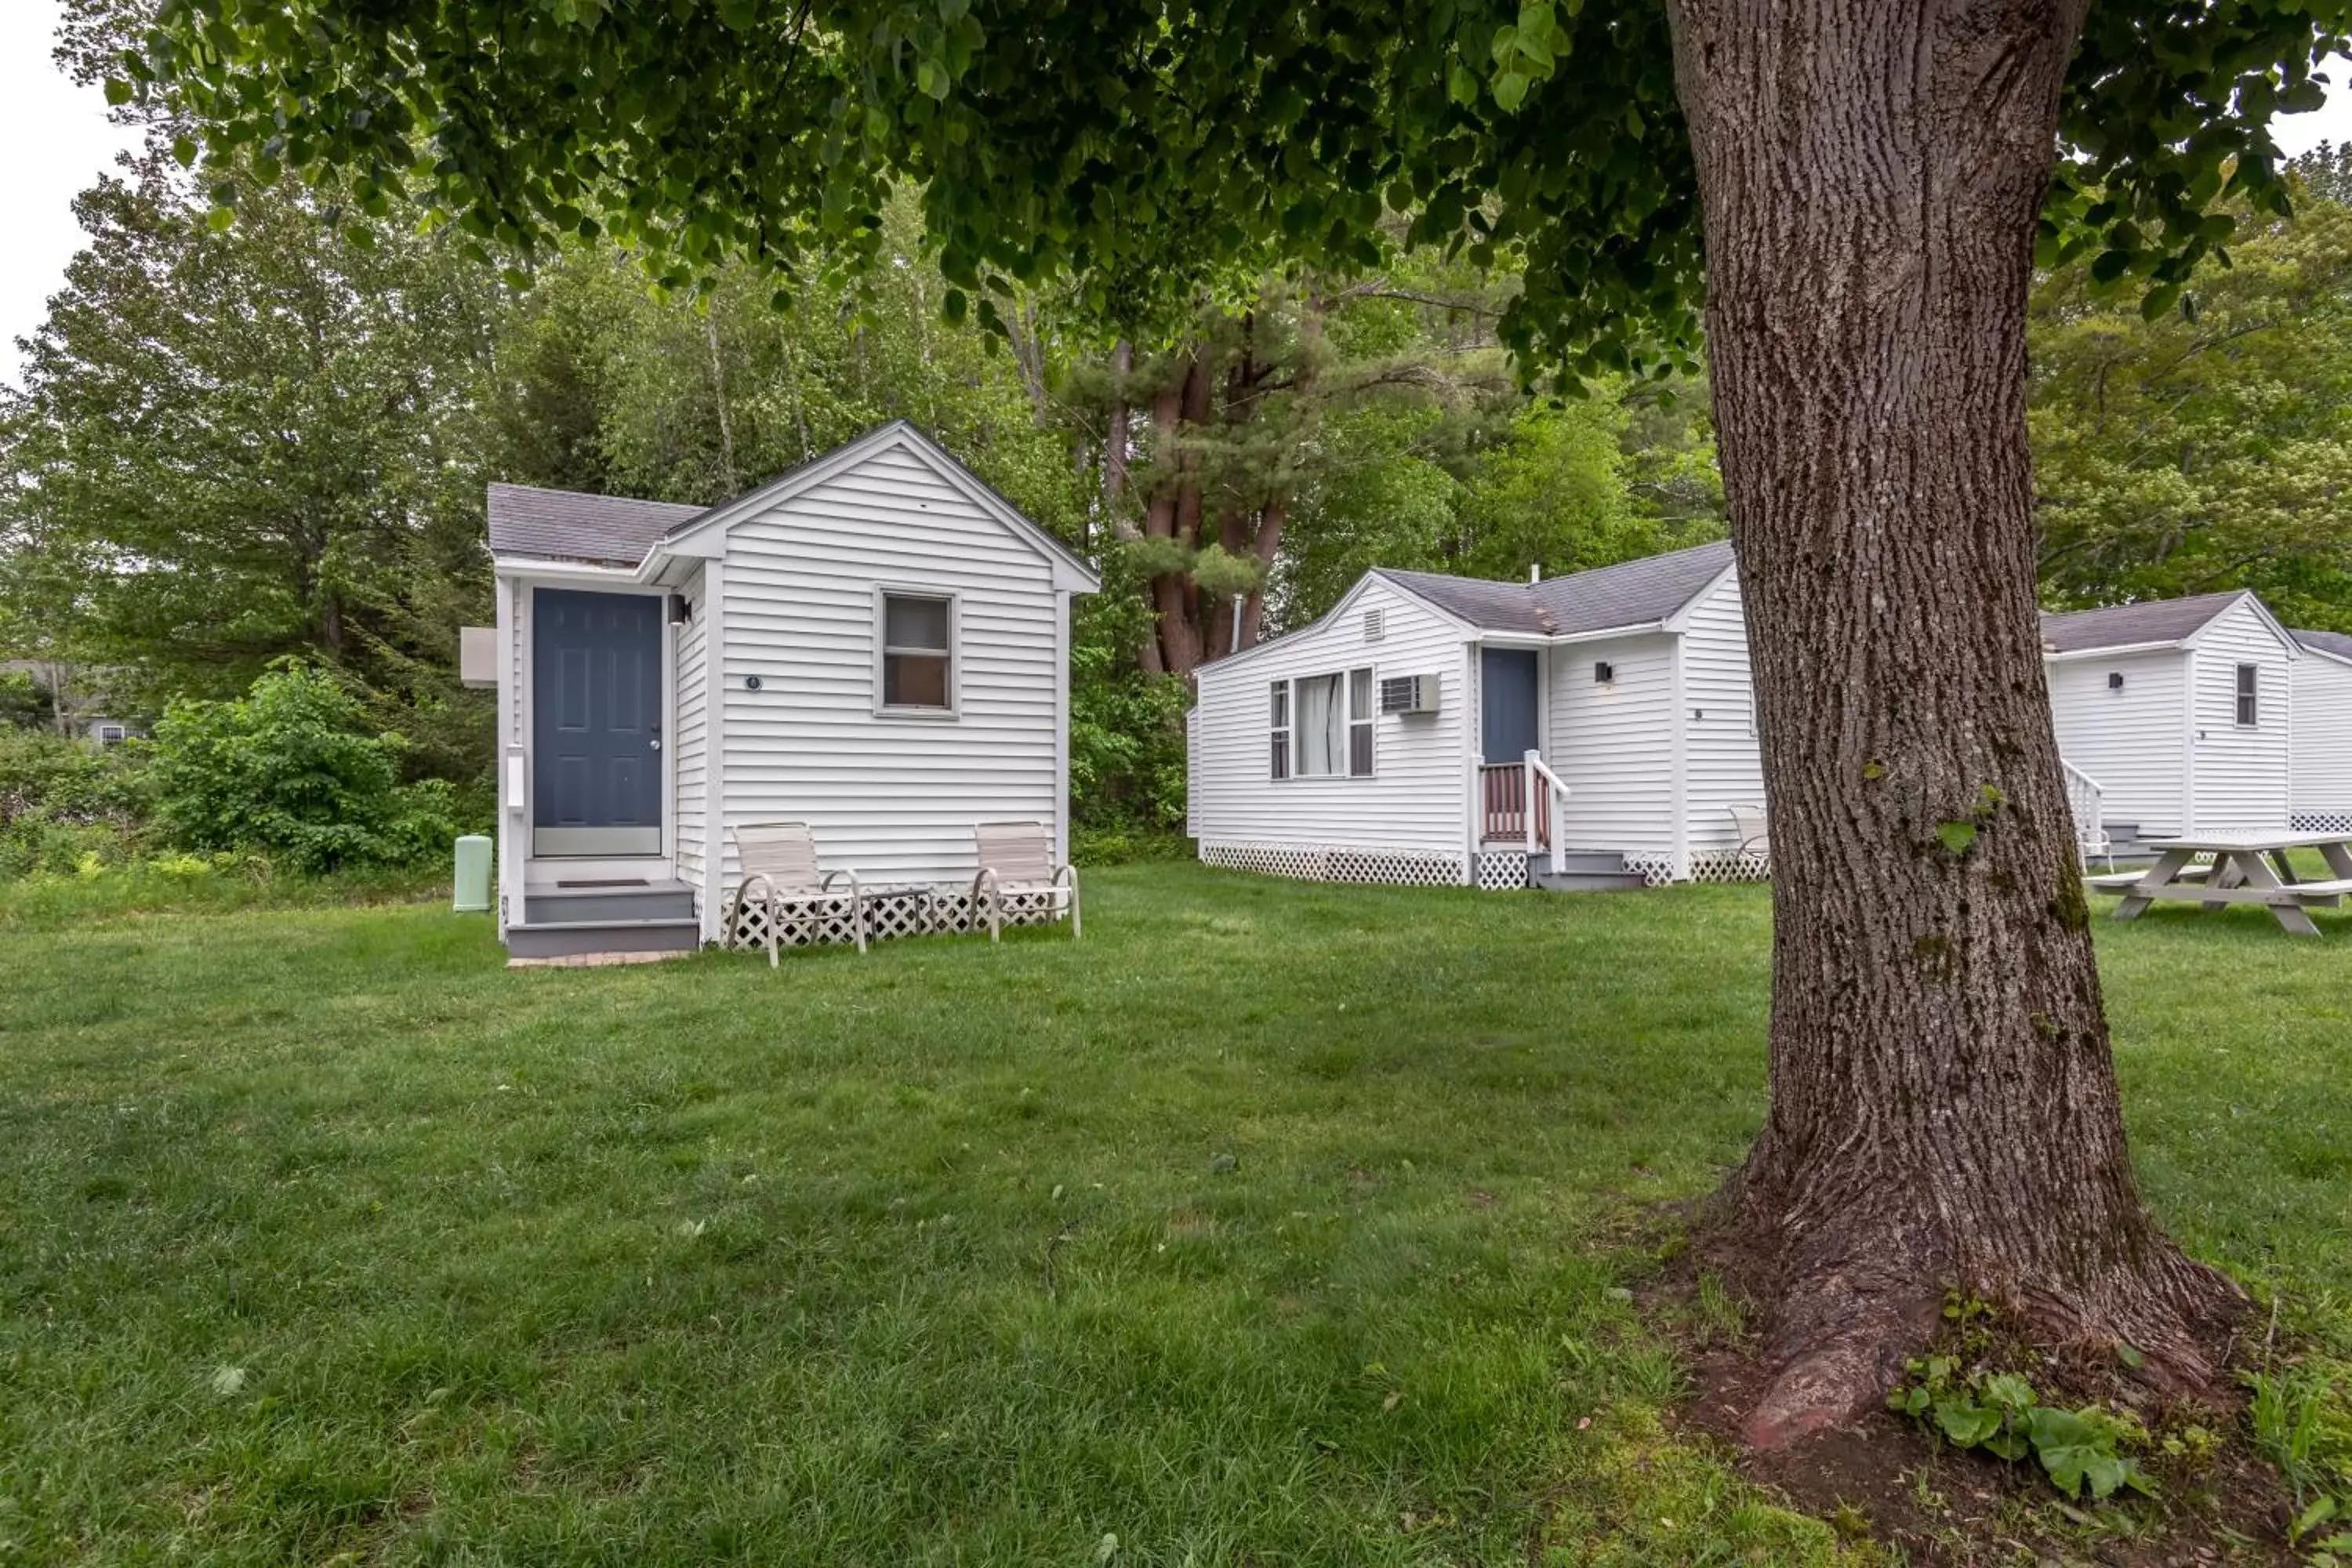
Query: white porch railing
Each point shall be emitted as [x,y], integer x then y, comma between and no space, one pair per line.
[1522,800]
[2084,795]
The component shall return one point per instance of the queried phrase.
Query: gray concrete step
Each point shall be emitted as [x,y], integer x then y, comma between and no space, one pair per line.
[1619,881]
[570,939]
[561,905]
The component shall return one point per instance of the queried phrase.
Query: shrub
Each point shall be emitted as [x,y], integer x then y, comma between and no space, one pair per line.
[62,801]
[289,771]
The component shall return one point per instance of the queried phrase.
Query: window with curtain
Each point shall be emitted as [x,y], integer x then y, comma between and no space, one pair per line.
[1323,726]
[917,662]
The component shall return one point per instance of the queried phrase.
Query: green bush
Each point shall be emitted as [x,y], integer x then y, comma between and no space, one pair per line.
[62,802]
[290,771]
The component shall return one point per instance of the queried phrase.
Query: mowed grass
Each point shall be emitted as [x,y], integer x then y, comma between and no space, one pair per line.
[1273,1222]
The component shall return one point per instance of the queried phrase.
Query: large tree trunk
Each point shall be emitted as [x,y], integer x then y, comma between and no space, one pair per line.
[1943,1106]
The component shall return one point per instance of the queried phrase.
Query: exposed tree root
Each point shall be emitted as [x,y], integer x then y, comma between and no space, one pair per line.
[1845,1308]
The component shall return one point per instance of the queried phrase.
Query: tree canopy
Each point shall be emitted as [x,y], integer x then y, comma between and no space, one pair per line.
[1146,150]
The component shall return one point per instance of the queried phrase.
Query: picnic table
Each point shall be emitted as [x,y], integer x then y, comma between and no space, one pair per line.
[2246,869]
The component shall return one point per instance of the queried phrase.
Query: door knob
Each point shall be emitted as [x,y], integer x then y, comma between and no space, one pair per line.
[655,744]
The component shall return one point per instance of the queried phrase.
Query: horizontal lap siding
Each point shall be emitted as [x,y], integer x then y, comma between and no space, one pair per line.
[2321,743]
[1725,761]
[890,797]
[2129,741]
[2242,772]
[688,746]
[1613,745]
[1417,799]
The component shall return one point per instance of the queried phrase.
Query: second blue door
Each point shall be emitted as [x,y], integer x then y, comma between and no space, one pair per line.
[1506,703]
[596,711]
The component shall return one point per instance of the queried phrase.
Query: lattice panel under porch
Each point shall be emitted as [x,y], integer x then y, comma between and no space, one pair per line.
[1384,867]
[1502,871]
[1655,870]
[1730,866]
[888,915]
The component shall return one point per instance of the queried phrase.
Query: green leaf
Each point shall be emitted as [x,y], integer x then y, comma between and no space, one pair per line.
[1956,836]
[1510,90]
[2009,1392]
[183,150]
[118,91]
[2077,1451]
[1461,84]
[2159,301]
[1965,1422]
[954,307]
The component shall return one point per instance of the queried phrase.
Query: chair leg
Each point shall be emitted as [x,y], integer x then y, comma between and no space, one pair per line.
[995,916]
[773,916]
[1074,910]
[858,919]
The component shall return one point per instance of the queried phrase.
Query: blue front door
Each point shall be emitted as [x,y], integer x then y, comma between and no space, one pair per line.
[1506,703]
[596,713]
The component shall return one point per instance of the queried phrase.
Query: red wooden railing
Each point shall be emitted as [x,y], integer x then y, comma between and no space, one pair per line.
[1503,798]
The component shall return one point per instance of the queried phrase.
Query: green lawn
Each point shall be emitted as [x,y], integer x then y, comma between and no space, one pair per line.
[1274,1223]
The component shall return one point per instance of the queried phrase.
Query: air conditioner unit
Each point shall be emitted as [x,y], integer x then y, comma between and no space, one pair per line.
[1409,694]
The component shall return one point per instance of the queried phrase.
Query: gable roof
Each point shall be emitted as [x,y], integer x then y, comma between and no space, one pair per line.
[1631,593]
[572,525]
[905,435]
[568,525]
[2152,624]
[2335,644]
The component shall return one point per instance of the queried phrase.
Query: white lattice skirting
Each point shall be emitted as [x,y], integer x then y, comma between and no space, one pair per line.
[1312,863]
[1502,871]
[886,915]
[2321,822]
[1730,866]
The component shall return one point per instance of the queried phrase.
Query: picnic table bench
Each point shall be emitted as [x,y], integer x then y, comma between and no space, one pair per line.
[2247,868]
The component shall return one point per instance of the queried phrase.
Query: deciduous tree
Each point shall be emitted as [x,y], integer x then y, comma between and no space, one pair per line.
[1872,179]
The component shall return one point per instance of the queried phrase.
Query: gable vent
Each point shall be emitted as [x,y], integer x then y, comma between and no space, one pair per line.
[1376,625]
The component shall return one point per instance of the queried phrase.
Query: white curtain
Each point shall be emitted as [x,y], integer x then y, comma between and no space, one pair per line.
[1321,727]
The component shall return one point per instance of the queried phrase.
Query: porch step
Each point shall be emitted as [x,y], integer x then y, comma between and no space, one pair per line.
[608,902]
[1584,871]
[573,938]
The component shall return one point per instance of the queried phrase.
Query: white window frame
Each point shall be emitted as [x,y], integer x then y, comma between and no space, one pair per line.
[112,734]
[2246,692]
[883,593]
[1363,678]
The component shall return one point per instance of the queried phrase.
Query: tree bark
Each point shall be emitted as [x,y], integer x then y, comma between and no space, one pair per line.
[1944,1109]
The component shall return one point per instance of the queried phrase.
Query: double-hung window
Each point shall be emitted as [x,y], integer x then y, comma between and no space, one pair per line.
[917,652]
[2250,707]
[1322,726]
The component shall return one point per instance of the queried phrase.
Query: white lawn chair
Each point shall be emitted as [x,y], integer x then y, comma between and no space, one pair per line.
[1755,840]
[1018,858]
[779,860]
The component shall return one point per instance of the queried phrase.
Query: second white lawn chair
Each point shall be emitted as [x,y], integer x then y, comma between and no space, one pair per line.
[778,860]
[1755,841]
[1017,858]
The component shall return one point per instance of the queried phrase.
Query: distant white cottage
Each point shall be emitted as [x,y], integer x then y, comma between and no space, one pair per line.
[875,643]
[2321,788]
[2176,715]
[1598,730]
[1595,730]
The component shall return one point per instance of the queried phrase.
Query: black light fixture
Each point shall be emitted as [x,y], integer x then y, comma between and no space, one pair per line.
[680,612]
[2114,680]
[1604,673]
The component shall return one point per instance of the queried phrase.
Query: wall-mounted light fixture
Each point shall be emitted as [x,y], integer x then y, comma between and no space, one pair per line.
[1603,672]
[680,612]
[2114,680]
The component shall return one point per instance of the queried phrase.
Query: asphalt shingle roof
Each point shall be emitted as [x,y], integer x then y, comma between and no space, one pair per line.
[568,525]
[2335,643]
[1631,593]
[2128,626]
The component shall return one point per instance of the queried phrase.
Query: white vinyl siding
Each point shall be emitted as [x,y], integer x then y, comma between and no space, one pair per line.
[689,741]
[1416,799]
[2322,772]
[1612,745]
[1721,750]
[2240,782]
[2129,739]
[893,796]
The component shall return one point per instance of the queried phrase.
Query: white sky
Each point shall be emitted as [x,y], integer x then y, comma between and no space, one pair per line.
[56,140]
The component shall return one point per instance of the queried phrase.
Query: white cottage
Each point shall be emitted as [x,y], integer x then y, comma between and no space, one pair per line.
[2320,797]
[1590,730]
[875,643]
[1598,730]
[2174,716]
